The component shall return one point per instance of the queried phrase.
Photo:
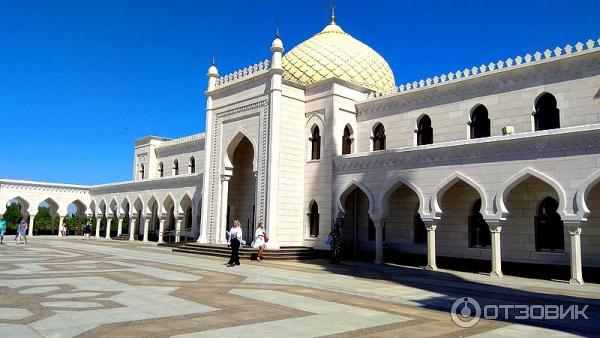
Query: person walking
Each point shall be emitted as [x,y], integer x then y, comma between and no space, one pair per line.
[260,240]
[18,226]
[87,230]
[63,229]
[235,240]
[336,243]
[2,230]
[22,232]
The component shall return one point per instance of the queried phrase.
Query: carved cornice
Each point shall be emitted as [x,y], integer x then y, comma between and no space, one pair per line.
[42,187]
[567,142]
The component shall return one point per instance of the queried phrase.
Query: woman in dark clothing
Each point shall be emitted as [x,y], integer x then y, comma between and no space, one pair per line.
[235,239]
[336,244]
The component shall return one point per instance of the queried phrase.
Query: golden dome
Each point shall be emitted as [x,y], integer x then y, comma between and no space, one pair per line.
[333,53]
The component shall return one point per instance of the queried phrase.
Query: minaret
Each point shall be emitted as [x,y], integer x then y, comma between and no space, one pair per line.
[213,76]
[272,210]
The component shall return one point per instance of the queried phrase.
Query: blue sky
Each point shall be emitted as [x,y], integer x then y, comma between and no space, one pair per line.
[80,80]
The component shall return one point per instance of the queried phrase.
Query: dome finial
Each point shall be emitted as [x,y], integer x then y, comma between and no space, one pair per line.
[332,10]
[277,29]
[214,62]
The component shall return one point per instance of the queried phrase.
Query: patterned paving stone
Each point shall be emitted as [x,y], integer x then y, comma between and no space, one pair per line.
[107,289]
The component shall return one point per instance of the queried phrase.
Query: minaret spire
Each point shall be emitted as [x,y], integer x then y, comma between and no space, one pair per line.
[332,10]
[277,29]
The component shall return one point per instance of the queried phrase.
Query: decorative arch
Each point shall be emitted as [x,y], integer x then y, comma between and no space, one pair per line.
[582,194]
[348,188]
[26,207]
[446,184]
[151,200]
[138,204]
[170,201]
[80,205]
[114,208]
[125,202]
[400,181]
[54,206]
[232,144]
[506,187]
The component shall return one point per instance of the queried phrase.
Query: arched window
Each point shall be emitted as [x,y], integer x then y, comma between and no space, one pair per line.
[424,131]
[546,115]
[480,123]
[347,141]
[313,219]
[142,171]
[419,230]
[379,137]
[161,170]
[175,168]
[192,165]
[315,141]
[549,230]
[479,231]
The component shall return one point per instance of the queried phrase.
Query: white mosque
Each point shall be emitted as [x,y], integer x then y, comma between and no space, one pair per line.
[499,162]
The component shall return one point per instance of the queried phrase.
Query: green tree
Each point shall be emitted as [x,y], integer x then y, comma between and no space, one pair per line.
[43,220]
[12,215]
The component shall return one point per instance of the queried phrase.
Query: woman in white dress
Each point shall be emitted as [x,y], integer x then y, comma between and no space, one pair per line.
[259,241]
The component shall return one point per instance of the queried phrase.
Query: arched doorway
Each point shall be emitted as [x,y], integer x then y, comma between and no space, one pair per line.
[242,189]
[76,218]
[357,228]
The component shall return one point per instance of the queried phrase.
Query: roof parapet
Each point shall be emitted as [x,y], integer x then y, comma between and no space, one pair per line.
[243,74]
[491,68]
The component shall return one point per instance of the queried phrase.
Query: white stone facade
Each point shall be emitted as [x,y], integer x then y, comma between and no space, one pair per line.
[255,162]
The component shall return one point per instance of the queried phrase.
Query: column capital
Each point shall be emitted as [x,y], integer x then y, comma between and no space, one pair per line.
[574,231]
[430,226]
[495,227]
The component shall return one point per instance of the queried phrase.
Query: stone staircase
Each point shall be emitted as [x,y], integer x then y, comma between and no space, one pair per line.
[246,253]
[121,237]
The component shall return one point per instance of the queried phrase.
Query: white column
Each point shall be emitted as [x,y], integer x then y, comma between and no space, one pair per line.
[431,265]
[146,228]
[177,230]
[119,226]
[224,201]
[161,230]
[203,237]
[108,226]
[132,223]
[495,230]
[98,220]
[61,219]
[575,252]
[31,223]
[379,241]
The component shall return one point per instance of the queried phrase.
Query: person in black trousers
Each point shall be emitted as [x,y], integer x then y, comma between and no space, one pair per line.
[235,239]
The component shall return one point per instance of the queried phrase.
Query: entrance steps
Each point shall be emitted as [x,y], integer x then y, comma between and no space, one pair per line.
[121,237]
[221,250]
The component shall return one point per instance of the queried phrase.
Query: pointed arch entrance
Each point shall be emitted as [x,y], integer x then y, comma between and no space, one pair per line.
[241,196]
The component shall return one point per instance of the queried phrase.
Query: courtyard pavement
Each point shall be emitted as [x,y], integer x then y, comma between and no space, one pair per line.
[66,287]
